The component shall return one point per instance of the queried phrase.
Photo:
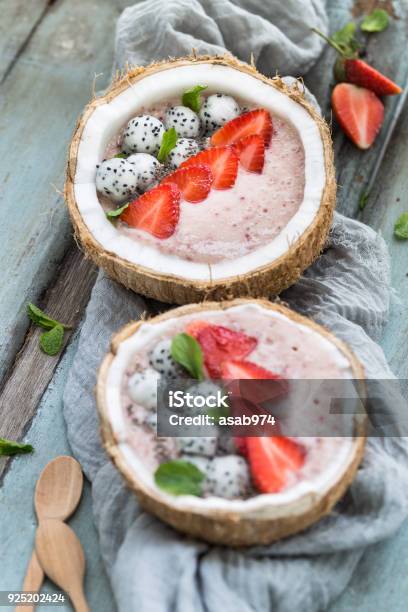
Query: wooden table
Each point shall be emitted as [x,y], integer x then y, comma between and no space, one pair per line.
[50,54]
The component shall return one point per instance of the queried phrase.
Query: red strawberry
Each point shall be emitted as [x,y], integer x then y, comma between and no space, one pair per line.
[273,460]
[223,162]
[220,344]
[194,182]
[195,327]
[359,112]
[156,211]
[253,122]
[360,73]
[251,152]
[241,370]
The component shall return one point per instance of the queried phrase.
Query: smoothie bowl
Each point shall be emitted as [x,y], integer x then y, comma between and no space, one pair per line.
[236,490]
[200,177]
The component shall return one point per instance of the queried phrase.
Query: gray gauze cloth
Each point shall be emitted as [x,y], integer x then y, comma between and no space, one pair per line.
[151,566]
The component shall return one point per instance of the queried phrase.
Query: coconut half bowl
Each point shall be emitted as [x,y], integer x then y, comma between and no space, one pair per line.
[263,272]
[261,519]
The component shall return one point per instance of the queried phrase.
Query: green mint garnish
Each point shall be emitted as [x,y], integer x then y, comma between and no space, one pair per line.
[342,41]
[363,200]
[121,155]
[168,143]
[401,227]
[192,97]
[9,447]
[179,478]
[377,21]
[41,319]
[187,352]
[111,214]
[51,341]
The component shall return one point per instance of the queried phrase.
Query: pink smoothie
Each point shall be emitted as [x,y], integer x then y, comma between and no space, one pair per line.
[293,351]
[233,222]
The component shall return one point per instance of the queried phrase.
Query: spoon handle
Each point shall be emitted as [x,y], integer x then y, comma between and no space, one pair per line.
[78,599]
[32,582]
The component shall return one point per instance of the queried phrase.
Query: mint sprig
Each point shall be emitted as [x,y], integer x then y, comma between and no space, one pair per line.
[179,477]
[377,21]
[9,448]
[121,155]
[192,98]
[168,143]
[52,340]
[401,227]
[342,41]
[112,214]
[187,352]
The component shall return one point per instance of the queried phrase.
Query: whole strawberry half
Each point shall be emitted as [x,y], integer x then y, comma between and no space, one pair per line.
[220,344]
[359,112]
[360,73]
[273,461]
[194,182]
[223,162]
[257,121]
[157,211]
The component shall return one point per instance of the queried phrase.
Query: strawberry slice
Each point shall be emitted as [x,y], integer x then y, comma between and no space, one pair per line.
[223,162]
[157,211]
[195,327]
[220,344]
[194,182]
[251,152]
[359,112]
[360,73]
[241,370]
[253,122]
[273,460]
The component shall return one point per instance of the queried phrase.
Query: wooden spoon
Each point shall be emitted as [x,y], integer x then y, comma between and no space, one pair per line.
[57,495]
[62,558]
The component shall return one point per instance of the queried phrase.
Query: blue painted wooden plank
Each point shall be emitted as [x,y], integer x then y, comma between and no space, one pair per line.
[39,104]
[18,523]
[17,24]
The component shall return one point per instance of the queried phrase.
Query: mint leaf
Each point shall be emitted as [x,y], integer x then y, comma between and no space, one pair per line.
[9,447]
[187,352]
[179,478]
[41,319]
[111,214]
[121,155]
[51,341]
[168,143]
[377,21]
[401,227]
[192,97]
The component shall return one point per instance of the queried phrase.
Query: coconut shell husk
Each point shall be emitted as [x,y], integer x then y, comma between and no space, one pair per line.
[224,526]
[263,281]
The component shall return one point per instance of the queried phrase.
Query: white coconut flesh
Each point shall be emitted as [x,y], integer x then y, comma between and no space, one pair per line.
[107,119]
[147,334]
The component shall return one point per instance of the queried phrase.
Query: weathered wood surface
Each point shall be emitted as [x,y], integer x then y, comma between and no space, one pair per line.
[49,58]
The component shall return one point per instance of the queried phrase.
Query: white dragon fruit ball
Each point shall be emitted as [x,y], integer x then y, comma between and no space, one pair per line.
[202,463]
[147,169]
[151,419]
[161,360]
[184,120]
[203,446]
[185,148]
[217,110]
[142,388]
[228,477]
[116,179]
[143,134]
